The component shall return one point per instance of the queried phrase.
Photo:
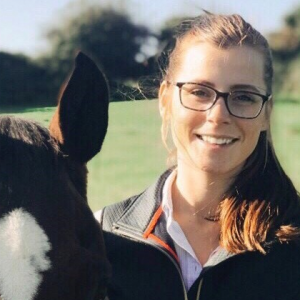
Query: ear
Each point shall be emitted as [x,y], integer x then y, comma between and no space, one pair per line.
[81,118]
[163,98]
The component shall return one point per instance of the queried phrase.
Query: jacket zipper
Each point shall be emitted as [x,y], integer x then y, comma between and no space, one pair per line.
[136,237]
[199,289]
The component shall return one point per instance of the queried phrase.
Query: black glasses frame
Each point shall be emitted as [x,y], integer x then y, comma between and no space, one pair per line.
[219,94]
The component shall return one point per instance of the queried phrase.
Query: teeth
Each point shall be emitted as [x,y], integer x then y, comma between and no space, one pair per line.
[218,141]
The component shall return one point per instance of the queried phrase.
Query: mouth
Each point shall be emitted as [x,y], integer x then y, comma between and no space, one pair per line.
[213,140]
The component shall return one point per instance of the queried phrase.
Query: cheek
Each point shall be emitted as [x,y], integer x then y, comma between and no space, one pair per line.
[183,121]
[184,117]
[251,135]
[253,140]
[179,126]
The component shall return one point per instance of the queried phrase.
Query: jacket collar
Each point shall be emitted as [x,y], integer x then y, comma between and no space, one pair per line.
[137,216]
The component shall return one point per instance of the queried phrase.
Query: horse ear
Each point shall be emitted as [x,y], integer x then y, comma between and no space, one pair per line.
[81,118]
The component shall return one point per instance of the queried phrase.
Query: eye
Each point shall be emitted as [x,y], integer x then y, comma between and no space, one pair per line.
[198,91]
[244,98]
[201,92]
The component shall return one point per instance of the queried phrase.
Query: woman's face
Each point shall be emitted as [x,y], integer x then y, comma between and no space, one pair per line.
[196,134]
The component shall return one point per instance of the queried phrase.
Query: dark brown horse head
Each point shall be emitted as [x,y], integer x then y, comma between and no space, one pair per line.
[51,246]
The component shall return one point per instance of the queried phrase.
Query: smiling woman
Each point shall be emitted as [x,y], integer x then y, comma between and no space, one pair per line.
[226,213]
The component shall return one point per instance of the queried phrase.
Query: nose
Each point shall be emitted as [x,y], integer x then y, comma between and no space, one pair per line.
[219,113]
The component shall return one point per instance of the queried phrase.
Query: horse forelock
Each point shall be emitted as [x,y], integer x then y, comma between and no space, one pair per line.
[29,160]
[27,132]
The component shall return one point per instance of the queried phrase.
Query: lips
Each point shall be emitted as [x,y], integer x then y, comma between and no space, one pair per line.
[217,140]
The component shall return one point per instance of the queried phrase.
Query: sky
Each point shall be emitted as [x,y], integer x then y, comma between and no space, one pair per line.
[24,23]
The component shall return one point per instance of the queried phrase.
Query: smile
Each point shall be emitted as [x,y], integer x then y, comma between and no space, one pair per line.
[216,140]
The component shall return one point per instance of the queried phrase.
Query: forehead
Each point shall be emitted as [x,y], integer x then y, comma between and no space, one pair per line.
[201,61]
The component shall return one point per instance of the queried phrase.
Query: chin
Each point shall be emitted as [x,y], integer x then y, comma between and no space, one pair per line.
[220,169]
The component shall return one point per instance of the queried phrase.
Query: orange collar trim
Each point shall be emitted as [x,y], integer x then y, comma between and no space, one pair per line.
[153,222]
[148,233]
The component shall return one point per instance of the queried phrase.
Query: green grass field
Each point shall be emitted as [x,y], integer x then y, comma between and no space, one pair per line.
[286,136]
[133,154]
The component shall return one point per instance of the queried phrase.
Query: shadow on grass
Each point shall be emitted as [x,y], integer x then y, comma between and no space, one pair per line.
[23,109]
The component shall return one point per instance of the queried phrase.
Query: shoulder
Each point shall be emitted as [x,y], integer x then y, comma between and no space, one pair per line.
[282,260]
[113,211]
[284,269]
[290,251]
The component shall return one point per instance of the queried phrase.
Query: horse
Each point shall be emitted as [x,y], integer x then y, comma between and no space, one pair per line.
[51,246]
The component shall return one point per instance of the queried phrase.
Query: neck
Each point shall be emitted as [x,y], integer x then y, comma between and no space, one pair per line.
[198,193]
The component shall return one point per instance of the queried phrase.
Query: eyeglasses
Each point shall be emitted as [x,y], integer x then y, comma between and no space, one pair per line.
[240,104]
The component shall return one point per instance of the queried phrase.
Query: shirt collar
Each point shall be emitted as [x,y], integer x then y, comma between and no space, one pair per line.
[167,205]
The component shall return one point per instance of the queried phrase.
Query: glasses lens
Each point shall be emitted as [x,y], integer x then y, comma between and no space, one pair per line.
[245,104]
[196,96]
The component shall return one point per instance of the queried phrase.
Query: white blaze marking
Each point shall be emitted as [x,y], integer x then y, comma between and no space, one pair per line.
[23,248]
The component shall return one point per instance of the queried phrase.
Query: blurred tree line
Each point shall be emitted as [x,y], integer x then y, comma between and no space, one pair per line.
[22,78]
[125,52]
[286,52]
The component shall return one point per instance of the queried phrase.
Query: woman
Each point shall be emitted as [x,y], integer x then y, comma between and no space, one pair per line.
[224,222]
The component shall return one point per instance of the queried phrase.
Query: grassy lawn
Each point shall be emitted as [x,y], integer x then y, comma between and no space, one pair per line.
[133,154]
[286,136]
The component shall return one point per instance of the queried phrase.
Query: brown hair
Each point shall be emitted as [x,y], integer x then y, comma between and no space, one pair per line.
[262,205]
